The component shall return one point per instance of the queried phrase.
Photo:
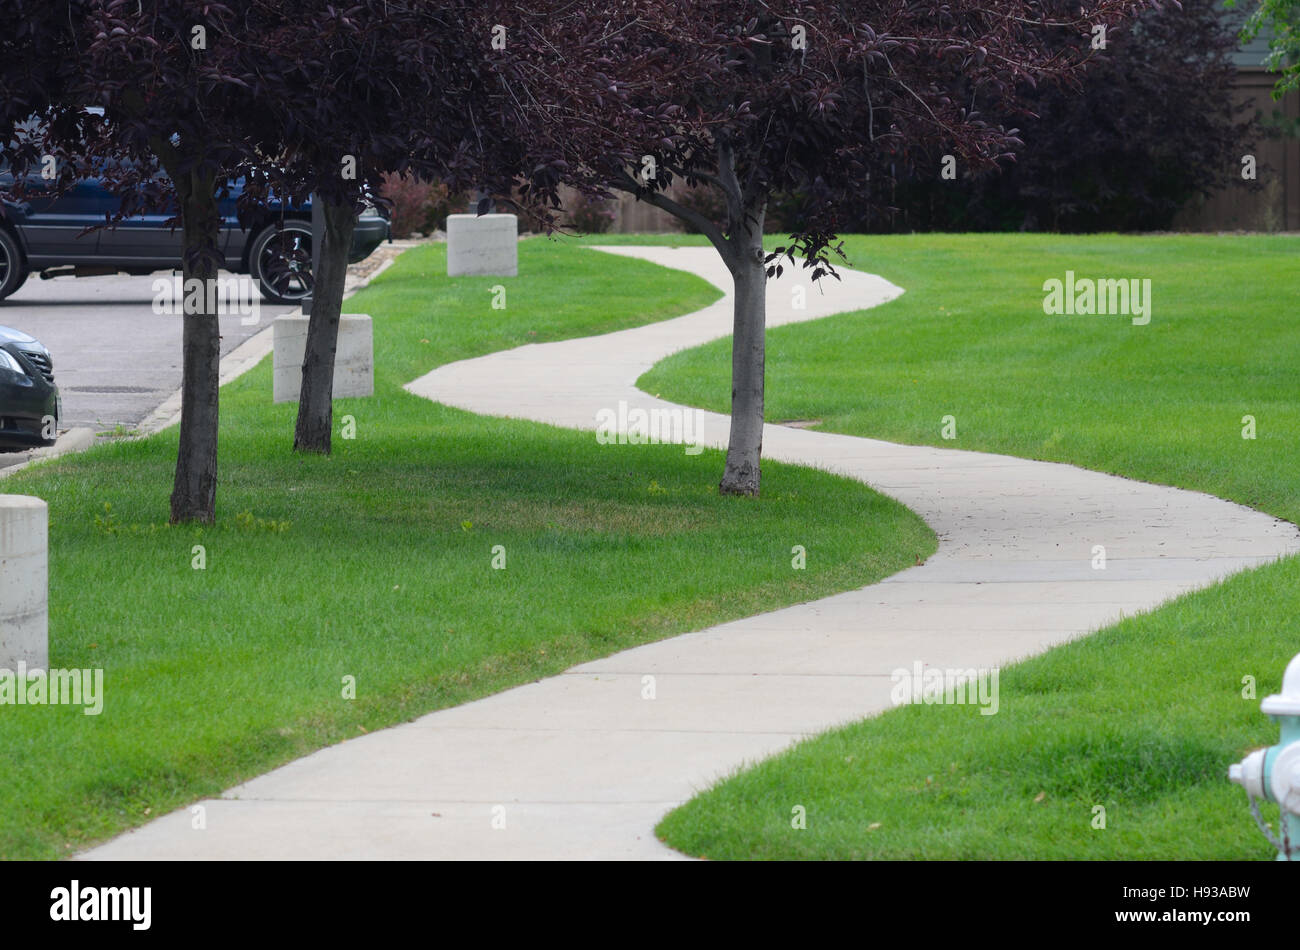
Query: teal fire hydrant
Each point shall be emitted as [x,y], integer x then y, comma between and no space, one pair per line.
[1274,773]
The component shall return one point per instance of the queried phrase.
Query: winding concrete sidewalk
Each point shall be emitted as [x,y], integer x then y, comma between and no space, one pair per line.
[581,766]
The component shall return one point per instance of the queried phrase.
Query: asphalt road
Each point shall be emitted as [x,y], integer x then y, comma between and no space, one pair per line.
[115,359]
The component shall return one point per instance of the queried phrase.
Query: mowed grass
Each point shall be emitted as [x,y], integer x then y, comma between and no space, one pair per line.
[1141,719]
[1162,402]
[376,563]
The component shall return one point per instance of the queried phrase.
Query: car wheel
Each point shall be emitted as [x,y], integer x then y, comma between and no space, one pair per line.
[13,269]
[280,262]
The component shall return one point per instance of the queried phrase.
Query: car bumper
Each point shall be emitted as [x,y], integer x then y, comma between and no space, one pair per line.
[25,405]
[370,232]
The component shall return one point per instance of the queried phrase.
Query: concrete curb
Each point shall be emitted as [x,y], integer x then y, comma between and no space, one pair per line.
[74,440]
[240,360]
[233,365]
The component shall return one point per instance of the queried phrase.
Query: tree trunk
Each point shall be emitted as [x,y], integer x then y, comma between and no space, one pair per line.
[316,398]
[745,443]
[741,247]
[194,490]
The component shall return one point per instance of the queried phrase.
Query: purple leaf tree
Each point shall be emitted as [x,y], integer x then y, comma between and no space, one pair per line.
[753,99]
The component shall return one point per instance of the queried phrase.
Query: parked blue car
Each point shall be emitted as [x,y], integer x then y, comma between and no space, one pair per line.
[43,234]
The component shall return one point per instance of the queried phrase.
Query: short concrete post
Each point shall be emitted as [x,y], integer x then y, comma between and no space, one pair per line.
[354,361]
[24,582]
[482,245]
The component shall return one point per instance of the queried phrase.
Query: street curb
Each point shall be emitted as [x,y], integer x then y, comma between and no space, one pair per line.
[74,440]
[237,362]
[233,365]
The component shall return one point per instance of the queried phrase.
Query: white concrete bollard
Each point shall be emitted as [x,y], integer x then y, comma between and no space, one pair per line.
[354,360]
[482,245]
[24,582]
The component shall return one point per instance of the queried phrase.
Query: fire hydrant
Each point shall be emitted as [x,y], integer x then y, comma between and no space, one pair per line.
[1274,773]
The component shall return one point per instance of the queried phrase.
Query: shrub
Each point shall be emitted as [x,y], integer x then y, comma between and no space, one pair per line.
[591,215]
[418,205]
[1151,127]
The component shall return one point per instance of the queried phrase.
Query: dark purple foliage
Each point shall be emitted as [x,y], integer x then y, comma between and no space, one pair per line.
[1151,126]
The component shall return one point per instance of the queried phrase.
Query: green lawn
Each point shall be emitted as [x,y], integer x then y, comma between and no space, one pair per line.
[376,563]
[1142,718]
[1162,402]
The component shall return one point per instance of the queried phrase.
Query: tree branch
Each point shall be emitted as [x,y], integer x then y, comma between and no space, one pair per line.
[661,201]
[728,180]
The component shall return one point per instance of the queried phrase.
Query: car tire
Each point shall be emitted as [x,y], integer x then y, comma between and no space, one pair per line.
[280,261]
[13,269]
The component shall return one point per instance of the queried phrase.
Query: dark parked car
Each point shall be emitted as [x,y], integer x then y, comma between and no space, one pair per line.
[29,401]
[43,234]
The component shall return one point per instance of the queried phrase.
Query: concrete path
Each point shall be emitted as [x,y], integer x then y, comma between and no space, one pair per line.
[581,766]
